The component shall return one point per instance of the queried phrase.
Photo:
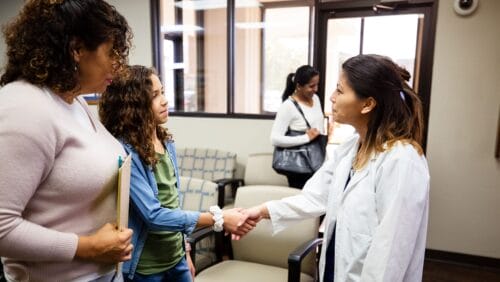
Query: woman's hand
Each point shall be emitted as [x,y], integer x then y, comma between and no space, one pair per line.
[312,133]
[237,223]
[106,245]
[256,213]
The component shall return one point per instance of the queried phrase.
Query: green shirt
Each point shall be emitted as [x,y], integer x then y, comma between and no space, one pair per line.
[163,249]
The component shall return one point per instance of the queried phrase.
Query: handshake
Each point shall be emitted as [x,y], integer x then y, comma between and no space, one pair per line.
[238,221]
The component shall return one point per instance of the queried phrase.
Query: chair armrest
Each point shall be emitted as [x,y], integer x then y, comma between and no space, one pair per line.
[232,181]
[296,256]
[221,184]
[197,236]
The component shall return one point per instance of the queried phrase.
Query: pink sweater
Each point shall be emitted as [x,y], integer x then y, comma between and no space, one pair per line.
[57,181]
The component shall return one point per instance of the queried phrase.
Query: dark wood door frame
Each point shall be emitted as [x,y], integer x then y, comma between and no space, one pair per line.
[347,9]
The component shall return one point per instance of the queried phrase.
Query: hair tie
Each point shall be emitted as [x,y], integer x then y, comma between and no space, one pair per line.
[402,94]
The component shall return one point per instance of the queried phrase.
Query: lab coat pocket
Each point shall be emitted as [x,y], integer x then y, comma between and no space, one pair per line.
[356,249]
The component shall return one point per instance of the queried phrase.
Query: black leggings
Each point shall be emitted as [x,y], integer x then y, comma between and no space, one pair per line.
[298,180]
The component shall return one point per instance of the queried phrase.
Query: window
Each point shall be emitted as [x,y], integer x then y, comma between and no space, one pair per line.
[193,64]
[270,43]
[260,41]
[231,57]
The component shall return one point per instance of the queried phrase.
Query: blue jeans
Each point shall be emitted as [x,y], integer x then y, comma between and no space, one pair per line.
[179,273]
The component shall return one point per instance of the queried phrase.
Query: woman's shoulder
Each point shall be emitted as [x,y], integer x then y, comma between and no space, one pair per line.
[345,147]
[286,107]
[316,98]
[406,151]
[288,103]
[20,91]
[25,102]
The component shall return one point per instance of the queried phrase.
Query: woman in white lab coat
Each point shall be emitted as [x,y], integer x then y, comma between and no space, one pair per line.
[375,188]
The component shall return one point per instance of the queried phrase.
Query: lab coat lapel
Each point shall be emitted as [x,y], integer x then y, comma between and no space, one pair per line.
[344,169]
[336,194]
[356,178]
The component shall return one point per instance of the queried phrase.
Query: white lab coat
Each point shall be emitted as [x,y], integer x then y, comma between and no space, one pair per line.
[380,218]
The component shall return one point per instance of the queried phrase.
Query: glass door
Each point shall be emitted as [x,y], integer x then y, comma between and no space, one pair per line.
[405,34]
[395,36]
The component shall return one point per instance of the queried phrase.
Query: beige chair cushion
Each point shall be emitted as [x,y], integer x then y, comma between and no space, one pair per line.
[260,246]
[259,256]
[259,171]
[241,271]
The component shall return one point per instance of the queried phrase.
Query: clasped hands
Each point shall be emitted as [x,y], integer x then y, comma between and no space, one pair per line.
[238,221]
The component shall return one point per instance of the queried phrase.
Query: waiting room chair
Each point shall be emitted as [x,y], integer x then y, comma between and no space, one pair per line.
[210,164]
[198,195]
[258,171]
[259,256]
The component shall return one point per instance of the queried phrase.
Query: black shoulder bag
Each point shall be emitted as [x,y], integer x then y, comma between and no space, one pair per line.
[301,159]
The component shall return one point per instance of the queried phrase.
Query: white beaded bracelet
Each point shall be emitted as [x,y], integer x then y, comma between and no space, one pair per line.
[218,218]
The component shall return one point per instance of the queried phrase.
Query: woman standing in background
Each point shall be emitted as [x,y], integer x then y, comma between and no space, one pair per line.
[58,173]
[301,87]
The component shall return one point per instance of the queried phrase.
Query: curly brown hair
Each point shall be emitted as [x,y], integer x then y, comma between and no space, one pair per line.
[41,39]
[126,111]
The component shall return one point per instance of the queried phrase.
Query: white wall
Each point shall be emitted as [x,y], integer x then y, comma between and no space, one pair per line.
[465,104]
[137,13]
[242,136]
[8,10]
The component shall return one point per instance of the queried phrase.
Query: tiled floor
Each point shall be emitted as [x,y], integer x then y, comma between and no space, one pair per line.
[436,271]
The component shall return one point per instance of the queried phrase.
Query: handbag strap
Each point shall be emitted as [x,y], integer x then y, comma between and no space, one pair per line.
[301,112]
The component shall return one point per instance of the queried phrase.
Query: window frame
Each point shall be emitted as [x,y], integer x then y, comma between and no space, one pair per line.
[320,12]
[157,55]
[310,47]
[328,9]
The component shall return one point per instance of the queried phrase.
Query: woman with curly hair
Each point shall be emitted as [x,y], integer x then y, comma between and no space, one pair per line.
[58,173]
[133,110]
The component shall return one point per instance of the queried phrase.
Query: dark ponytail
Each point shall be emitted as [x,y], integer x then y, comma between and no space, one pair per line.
[290,87]
[302,76]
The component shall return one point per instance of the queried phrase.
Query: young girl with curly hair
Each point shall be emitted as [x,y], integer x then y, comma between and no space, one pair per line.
[133,109]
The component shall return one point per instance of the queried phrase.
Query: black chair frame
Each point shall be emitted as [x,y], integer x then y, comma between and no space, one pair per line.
[294,258]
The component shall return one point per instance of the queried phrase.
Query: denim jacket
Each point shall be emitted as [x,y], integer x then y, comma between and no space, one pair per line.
[145,211]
